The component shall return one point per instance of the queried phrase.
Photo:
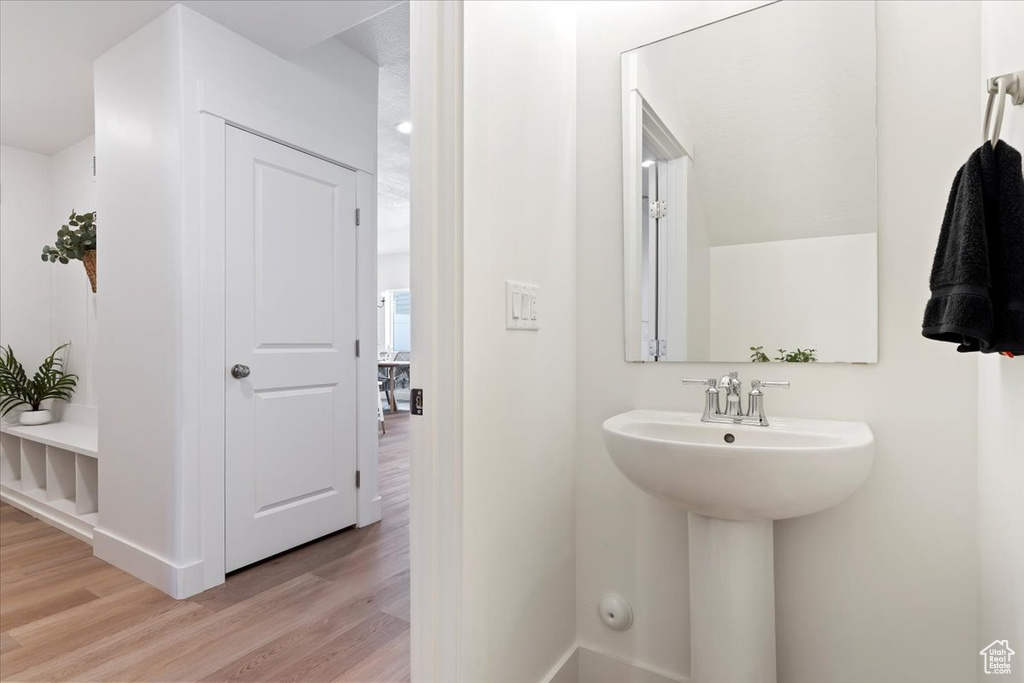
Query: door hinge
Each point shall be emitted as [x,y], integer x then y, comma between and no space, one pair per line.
[416,401]
[359,479]
[658,209]
[657,348]
[357,216]
[357,348]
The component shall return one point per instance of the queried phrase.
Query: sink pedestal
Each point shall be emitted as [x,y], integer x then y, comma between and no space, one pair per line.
[732,600]
[721,472]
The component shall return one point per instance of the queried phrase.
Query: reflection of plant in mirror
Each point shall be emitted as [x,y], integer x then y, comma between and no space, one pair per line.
[758,355]
[798,356]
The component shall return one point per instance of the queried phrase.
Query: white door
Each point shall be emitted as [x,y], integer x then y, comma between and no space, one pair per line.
[291,321]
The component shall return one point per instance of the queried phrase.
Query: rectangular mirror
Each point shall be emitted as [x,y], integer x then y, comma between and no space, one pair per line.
[749,189]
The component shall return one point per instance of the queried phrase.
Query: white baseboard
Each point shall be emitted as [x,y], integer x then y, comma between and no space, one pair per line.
[567,670]
[69,524]
[177,581]
[583,664]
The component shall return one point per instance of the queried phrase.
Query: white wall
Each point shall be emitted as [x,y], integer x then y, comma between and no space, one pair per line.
[354,80]
[392,271]
[43,305]
[149,90]
[882,587]
[674,273]
[1001,405]
[698,275]
[72,302]
[519,215]
[139,365]
[25,226]
[819,293]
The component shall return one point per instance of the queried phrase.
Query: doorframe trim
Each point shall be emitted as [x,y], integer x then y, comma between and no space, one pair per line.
[218,108]
[436,272]
[263,119]
[212,369]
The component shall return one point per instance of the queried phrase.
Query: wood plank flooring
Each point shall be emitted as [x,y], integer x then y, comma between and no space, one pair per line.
[336,609]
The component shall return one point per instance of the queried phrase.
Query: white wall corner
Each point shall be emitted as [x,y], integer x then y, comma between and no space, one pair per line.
[163,77]
[567,669]
[584,664]
[178,581]
[1000,487]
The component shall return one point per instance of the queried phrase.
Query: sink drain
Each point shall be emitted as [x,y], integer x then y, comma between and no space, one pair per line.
[729,438]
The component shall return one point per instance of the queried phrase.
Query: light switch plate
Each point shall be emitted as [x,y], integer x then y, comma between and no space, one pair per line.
[521,306]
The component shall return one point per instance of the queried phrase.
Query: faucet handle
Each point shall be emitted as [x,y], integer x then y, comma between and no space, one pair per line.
[755,407]
[757,384]
[711,404]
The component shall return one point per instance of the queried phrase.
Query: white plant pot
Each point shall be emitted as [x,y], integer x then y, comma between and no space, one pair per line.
[35,417]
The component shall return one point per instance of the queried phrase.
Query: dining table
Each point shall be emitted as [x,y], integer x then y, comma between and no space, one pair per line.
[392,367]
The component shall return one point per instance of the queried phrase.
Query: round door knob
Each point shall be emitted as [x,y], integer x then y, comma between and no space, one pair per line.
[239,371]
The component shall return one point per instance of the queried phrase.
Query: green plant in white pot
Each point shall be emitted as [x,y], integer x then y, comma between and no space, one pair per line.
[50,382]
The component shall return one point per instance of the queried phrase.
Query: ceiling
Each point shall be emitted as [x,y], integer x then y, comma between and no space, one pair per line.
[47,48]
[384,40]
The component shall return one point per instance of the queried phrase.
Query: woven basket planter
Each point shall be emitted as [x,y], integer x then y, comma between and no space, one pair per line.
[89,261]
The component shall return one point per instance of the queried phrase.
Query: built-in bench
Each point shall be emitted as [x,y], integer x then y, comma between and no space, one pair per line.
[51,472]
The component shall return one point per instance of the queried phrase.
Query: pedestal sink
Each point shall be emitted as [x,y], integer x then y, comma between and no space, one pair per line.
[735,480]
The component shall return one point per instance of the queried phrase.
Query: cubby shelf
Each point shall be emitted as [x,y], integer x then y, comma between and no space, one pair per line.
[51,472]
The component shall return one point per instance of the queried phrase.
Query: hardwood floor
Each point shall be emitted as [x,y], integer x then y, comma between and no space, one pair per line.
[336,609]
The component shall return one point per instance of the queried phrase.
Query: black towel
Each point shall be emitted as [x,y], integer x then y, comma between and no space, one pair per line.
[977,277]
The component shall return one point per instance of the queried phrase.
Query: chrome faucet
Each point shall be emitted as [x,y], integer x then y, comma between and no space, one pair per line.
[733,389]
[731,386]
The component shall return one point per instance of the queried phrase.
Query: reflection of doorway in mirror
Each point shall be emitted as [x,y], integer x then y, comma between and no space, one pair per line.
[674,324]
[657,153]
[394,321]
[665,290]
[649,259]
[394,326]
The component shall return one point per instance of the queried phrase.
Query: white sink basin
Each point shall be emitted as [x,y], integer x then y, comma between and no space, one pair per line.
[792,468]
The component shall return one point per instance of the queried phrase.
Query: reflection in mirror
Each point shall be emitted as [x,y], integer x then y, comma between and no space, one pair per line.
[749,194]
[394,323]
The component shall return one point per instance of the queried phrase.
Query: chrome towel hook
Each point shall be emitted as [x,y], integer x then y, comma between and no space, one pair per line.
[999,87]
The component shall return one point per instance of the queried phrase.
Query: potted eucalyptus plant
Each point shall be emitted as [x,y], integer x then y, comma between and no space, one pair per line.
[76,240]
[50,381]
